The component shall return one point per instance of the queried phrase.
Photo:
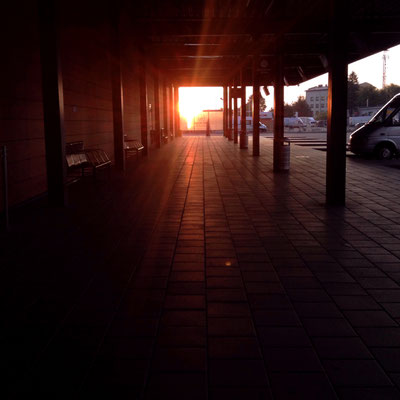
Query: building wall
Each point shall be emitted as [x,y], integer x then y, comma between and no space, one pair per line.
[21,108]
[317,99]
[84,47]
[130,82]
[85,64]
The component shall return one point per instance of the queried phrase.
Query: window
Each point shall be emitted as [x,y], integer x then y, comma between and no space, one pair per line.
[312,98]
[396,118]
[317,106]
[317,98]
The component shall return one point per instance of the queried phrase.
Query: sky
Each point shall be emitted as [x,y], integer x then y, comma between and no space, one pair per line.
[369,69]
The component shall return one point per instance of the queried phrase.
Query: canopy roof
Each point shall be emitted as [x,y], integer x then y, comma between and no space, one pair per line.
[206,42]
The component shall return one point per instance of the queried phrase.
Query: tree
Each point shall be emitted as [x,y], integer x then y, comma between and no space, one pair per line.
[353,89]
[249,104]
[321,116]
[302,108]
[368,96]
[388,92]
[288,110]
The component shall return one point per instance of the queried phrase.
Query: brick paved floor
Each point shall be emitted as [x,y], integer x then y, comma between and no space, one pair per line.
[200,274]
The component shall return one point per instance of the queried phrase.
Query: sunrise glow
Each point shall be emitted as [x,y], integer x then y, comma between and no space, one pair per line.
[193,100]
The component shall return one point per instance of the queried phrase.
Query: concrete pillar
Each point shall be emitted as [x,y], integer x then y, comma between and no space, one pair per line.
[171,112]
[225,116]
[157,118]
[177,115]
[53,103]
[117,95]
[230,113]
[278,109]
[165,108]
[243,133]
[337,106]
[143,105]
[235,114]
[256,107]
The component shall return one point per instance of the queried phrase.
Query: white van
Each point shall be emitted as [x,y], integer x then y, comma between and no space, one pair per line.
[381,134]
[294,122]
[249,126]
[309,121]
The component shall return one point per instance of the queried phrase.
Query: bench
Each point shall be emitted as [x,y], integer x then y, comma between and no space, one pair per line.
[132,146]
[79,160]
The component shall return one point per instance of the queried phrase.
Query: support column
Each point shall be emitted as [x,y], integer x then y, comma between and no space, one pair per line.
[177,116]
[337,106]
[143,106]
[230,113]
[256,108]
[165,110]
[53,103]
[278,108]
[117,95]
[243,133]
[235,114]
[171,111]
[225,116]
[156,81]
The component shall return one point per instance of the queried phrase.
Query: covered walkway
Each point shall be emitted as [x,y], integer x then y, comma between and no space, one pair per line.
[199,273]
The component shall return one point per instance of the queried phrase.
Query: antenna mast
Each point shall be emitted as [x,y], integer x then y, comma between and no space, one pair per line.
[384,59]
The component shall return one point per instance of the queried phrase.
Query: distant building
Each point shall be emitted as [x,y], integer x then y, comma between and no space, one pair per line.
[317,99]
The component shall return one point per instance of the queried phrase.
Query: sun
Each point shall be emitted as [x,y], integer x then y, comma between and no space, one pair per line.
[193,100]
[190,105]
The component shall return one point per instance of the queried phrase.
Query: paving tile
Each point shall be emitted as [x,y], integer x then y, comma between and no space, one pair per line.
[277,318]
[176,385]
[292,385]
[182,336]
[264,287]
[186,359]
[327,327]
[388,357]
[362,393]
[126,347]
[228,310]
[361,318]
[317,310]
[385,295]
[284,359]
[181,302]
[237,373]
[240,392]
[356,373]
[116,371]
[226,295]
[341,348]
[185,288]
[356,303]
[233,347]
[231,326]
[283,337]
[183,318]
[392,308]
[224,282]
[380,337]
[186,276]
